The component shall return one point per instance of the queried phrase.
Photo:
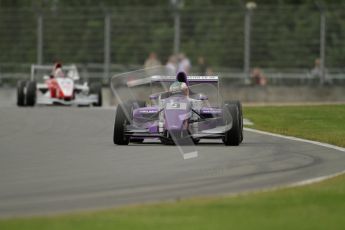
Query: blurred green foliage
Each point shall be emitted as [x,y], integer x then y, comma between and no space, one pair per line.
[285,33]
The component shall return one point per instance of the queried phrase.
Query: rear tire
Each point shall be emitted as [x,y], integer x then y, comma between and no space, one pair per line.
[233,136]
[20,93]
[30,93]
[96,88]
[121,121]
[239,105]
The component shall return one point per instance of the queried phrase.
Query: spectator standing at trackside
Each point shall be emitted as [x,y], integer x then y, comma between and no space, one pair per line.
[152,61]
[202,66]
[184,64]
[258,77]
[171,65]
[316,72]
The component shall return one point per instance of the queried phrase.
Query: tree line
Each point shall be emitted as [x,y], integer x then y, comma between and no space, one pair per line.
[284,33]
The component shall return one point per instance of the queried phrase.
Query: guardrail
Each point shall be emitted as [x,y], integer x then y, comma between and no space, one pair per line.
[11,73]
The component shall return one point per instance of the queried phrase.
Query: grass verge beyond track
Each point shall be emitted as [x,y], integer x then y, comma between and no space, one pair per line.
[317,206]
[325,123]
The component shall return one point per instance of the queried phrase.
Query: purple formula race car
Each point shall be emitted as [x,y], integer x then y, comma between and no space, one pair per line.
[172,116]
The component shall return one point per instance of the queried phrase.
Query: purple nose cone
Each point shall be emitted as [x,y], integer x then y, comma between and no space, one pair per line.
[182,77]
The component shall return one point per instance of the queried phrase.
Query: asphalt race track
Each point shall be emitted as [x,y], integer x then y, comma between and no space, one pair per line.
[57,159]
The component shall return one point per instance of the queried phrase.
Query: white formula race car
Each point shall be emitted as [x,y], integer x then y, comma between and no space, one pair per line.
[57,91]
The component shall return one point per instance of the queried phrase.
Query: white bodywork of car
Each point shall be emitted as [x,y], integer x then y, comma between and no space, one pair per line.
[67,84]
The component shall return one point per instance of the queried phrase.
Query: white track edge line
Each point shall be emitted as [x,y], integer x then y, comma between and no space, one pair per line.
[307,181]
[315,180]
[296,139]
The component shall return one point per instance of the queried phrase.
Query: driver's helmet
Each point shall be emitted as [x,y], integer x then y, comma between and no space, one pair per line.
[180,84]
[182,77]
[57,65]
[57,71]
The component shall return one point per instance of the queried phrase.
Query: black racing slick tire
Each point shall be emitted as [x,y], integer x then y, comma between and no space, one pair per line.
[239,105]
[31,93]
[120,123]
[21,93]
[96,88]
[232,137]
[133,104]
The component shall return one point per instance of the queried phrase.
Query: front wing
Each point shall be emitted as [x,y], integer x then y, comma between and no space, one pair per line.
[46,99]
[198,130]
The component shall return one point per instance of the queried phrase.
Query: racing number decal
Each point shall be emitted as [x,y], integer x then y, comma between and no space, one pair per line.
[176,105]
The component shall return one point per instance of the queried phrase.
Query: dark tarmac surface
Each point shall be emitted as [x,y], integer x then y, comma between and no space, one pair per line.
[61,159]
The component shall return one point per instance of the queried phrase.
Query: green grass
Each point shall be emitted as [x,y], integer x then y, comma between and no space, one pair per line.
[317,206]
[324,123]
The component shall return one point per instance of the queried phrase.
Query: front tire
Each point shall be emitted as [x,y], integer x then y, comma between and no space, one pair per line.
[233,136]
[134,104]
[239,106]
[121,121]
[30,93]
[21,93]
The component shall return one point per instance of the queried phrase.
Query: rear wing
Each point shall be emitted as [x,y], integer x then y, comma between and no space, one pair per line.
[158,78]
[72,70]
